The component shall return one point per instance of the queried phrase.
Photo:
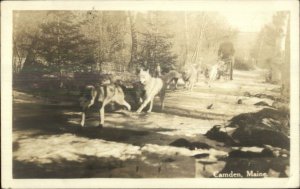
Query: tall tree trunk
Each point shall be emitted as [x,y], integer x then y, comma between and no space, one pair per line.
[17,64]
[195,57]
[286,60]
[133,57]
[186,32]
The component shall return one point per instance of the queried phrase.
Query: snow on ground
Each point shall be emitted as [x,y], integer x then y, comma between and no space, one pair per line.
[45,136]
[55,148]
[71,148]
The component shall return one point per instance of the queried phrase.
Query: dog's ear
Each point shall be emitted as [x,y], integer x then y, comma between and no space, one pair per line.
[138,70]
[141,70]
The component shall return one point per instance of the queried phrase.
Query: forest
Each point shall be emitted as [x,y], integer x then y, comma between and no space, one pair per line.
[91,40]
[56,42]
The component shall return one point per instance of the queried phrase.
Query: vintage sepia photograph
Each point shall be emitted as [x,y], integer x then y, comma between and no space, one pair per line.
[150,93]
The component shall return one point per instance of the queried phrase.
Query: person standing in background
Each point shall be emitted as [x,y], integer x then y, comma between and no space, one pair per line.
[157,70]
[226,53]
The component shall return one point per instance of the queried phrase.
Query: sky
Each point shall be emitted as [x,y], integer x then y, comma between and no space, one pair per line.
[248,21]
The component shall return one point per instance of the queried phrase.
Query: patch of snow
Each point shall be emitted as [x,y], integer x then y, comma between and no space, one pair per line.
[71,113]
[166,150]
[249,149]
[71,148]
[269,122]
[227,129]
[171,151]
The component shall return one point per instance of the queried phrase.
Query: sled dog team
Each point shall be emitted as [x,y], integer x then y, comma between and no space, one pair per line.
[107,92]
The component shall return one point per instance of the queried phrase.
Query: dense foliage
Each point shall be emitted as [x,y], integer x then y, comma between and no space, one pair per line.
[83,41]
[267,50]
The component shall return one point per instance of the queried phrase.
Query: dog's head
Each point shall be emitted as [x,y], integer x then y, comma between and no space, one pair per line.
[186,74]
[144,76]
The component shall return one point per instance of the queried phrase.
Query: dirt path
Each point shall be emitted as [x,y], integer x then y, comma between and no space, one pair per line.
[48,142]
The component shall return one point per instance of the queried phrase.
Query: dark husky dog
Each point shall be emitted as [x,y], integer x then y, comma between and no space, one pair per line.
[171,77]
[104,94]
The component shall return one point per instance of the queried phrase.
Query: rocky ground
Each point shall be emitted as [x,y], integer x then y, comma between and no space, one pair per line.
[236,128]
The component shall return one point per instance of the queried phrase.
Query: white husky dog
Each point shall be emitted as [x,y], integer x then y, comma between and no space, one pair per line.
[217,71]
[190,77]
[152,86]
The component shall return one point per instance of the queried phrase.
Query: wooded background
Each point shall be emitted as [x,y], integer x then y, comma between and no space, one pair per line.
[100,41]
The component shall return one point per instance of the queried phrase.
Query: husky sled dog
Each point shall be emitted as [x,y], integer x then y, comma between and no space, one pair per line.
[102,94]
[171,76]
[190,76]
[152,87]
[134,93]
[218,70]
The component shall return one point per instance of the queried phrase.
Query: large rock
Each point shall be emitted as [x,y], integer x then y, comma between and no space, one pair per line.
[219,133]
[256,162]
[256,165]
[266,127]
[190,145]
[261,103]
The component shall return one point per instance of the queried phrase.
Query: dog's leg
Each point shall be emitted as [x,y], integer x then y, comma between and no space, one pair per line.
[191,86]
[93,94]
[102,112]
[84,106]
[176,81]
[91,102]
[124,103]
[151,105]
[144,104]
[187,85]
[127,105]
[82,118]
[101,115]
[162,98]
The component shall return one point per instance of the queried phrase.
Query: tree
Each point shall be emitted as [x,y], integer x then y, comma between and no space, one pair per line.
[187,38]
[62,45]
[25,39]
[267,49]
[286,57]
[134,42]
[202,26]
[202,32]
[108,29]
[85,40]
[155,45]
